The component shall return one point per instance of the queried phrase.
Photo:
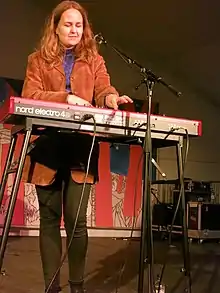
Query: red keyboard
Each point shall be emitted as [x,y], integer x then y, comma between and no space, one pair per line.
[108,121]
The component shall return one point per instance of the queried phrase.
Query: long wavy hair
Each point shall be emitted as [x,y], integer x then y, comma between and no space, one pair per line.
[50,47]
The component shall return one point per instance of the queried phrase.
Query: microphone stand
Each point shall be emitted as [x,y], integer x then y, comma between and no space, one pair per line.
[146,243]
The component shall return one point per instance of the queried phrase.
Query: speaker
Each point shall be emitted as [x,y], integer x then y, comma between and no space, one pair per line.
[163,214]
[203,216]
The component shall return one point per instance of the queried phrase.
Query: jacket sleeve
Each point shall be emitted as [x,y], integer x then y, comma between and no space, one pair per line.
[103,85]
[33,87]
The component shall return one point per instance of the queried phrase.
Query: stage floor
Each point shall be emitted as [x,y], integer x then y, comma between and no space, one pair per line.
[105,257]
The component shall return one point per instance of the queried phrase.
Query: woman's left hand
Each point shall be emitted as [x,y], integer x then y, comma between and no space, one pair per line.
[112,101]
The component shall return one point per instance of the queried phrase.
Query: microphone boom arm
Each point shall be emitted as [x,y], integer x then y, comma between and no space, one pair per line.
[146,73]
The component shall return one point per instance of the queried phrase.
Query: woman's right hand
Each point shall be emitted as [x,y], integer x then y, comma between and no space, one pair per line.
[75,100]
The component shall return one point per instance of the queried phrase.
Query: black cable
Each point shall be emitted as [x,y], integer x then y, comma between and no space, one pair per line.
[177,207]
[172,130]
[139,126]
[156,197]
[121,271]
[175,213]
[79,207]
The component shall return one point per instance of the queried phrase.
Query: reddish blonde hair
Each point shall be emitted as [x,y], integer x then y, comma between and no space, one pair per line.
[51,49]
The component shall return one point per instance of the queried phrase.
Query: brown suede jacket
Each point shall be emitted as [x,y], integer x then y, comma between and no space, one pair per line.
[89,81]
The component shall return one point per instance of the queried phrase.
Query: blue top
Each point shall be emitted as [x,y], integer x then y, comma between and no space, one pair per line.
[68,63]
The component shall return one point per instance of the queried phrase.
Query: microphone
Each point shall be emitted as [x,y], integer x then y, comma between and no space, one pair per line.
[100,39]
[158,168]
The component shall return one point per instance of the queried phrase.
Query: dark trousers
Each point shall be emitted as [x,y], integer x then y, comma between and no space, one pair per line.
[62,196]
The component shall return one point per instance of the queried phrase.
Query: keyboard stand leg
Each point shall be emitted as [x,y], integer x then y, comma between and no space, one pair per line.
[13,197]
[7,166]
[185,243]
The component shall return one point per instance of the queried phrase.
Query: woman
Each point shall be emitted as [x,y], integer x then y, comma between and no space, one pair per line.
[66,69]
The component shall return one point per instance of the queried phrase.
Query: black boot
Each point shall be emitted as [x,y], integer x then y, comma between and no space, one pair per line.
[55,287]
[77,287]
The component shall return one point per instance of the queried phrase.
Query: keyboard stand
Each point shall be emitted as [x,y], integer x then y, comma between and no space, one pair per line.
[8,169]
[27,128]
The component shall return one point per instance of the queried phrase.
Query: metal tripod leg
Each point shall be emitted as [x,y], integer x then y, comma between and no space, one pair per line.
[7,166]
[11,206]
[186,253]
